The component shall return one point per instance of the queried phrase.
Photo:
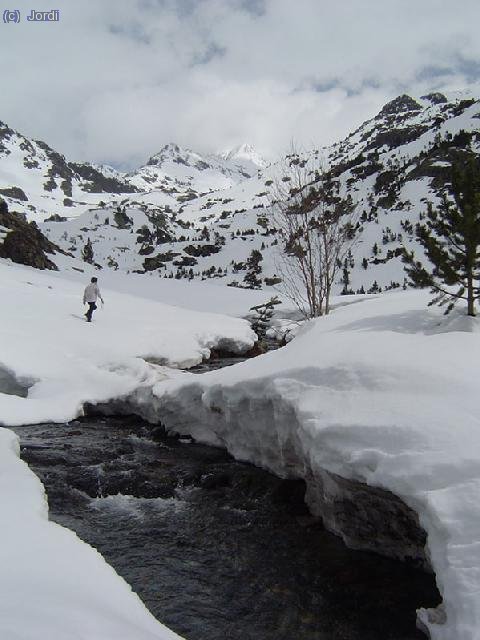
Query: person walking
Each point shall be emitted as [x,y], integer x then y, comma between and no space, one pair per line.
[90,297]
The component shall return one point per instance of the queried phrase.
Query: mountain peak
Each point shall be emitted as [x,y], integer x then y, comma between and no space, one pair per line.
[401,104]
[435,97]
[244,152]
[170,151]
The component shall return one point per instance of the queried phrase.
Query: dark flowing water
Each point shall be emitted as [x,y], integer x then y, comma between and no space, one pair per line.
[217,549]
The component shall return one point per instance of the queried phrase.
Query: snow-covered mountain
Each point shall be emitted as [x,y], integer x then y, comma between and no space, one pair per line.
[193,216]
[178,170]
[40,182]
[245,155]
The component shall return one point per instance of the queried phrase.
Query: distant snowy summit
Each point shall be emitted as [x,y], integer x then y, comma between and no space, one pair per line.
[172,152]
[183,169]
[40,182]
[244,152]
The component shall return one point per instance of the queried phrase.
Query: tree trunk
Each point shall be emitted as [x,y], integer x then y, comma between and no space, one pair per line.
[327,300]
[470,295]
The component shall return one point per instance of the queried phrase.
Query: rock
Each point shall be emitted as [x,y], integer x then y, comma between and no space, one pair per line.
[401,104]
[367,518]
[394,138]
[25,243]
[12,385]
[55,218]
[435,97]
[185,261]
[201,250]
[158,261]
[97,182]
[14,192]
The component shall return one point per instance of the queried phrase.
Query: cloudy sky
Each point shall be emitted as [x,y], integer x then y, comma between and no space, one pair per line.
[114,80]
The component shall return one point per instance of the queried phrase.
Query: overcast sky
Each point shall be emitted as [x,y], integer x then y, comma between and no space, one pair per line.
[114,80]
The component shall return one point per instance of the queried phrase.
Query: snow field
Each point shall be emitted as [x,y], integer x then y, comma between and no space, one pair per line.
[66,361]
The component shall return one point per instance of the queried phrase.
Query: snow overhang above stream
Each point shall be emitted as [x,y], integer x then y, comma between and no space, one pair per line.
[382,393]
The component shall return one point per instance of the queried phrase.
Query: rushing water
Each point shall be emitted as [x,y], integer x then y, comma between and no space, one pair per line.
[217,549]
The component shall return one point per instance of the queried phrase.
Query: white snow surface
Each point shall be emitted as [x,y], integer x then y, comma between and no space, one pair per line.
[48,345]
[383,391]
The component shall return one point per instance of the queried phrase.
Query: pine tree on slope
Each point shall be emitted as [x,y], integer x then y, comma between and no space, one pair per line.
[87,252]
[254,269]
[451,239]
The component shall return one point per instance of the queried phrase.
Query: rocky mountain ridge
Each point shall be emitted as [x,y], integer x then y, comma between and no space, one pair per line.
[40,182]
[391,166]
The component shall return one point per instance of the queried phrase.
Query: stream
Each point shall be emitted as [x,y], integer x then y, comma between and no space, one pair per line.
[217,549]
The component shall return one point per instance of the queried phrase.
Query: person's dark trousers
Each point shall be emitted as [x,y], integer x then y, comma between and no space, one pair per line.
[91,308]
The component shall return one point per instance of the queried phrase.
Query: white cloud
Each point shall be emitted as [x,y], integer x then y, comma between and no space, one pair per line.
[115,80]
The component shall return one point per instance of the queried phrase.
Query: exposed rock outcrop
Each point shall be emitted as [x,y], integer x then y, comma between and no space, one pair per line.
[23,242]
[368,517]
[401,104]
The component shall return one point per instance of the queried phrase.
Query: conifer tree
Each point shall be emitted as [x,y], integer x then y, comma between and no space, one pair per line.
[450,237]
[346,290]
[87,252]
[263,315]
[254,269]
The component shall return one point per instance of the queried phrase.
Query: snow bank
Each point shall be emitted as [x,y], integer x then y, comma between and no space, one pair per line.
[210,296]
[66,361]
[384,392]
[53,585]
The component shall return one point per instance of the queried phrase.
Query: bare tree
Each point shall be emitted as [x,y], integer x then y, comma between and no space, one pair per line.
[316,230]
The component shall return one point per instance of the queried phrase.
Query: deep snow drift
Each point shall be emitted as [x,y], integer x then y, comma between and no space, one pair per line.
[49,347]
[384,392]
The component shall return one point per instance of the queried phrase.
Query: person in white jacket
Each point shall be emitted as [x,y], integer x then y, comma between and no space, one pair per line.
[90,297]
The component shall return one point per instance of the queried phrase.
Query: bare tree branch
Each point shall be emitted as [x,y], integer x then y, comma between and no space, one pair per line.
[316,230]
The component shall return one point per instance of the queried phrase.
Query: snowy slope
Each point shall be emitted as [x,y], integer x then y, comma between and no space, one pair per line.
[38,181]
[245,155]
[391,167]
[384,392]
[65,361]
